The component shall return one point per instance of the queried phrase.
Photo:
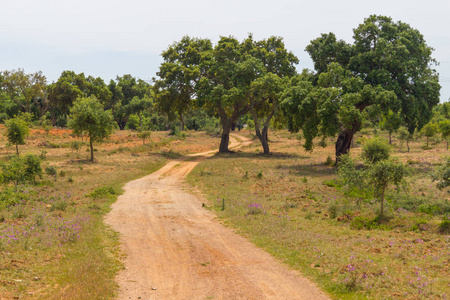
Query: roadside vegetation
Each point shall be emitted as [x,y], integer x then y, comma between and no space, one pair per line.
[295,206]
[354,195]
[53,243]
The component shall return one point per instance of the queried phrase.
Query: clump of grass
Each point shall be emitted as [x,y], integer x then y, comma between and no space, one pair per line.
[254,209]
[444,226]
[329,161]
[170,154]
[103,192]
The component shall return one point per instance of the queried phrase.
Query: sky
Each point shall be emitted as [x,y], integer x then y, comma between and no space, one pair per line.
[115,37]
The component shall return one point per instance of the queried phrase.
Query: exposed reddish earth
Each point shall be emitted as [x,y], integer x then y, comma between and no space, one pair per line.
[176,249]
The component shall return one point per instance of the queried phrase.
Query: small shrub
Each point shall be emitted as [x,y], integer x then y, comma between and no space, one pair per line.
[62,173]
[70,180]
[259,175]
[329,161]
[362,222]
[75,146]
[375,150]
[255,209]
[50,170]
[60,204]
[43,155]
[444,227]
[103,192]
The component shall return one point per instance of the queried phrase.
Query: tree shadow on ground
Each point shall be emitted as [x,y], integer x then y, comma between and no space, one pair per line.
[272,156]
[311,170]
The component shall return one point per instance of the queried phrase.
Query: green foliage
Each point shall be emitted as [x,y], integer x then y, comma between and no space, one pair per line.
[376,176]
[46,125]
[21,169]
[10,196]
[404,136]
[429,130]
[375,150]
[88,116]
[132,123]
[144,134]
[26,90]
[51,171]
[352,179]
[373,71]
[16,131]
[70,86]
[444,226]
[361,222]
[75,145]
[103,192]
[329,161]
[442,175]
[129,96]
[259,175]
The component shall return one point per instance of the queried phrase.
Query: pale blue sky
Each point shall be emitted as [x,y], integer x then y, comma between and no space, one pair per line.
[109,38]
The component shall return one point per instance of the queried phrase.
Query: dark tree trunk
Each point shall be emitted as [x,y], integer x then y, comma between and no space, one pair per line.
[407,145]
[263,139]
[121,125]
[343,143]
[181,124]
[225,137]
[92,149]
[390,138]
[382,202]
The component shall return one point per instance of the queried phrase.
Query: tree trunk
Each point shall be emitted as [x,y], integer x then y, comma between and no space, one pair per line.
[263,138]
[427,142]
[17,149]
[382,202]
[121,125]
[92,149]
[343,143]
[181,124]
[226,127]
[407,145]
[390,138]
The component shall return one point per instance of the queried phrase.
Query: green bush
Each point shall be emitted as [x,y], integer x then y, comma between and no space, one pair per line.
[103,192]
[375,150]
[11,196]
[444,227]
[21,169]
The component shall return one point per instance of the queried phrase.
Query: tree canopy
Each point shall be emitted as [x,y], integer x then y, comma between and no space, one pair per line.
[88,116]
[388,65]
[220,78]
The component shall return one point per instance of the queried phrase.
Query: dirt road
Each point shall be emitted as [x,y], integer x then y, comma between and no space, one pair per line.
[178,250]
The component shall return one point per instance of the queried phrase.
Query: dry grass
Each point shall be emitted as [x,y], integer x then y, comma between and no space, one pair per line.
[290,204]
[54,244]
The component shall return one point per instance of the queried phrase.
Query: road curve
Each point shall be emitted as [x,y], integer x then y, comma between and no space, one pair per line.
[176,249]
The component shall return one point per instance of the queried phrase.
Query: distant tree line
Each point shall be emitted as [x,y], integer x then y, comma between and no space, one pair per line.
[386,75]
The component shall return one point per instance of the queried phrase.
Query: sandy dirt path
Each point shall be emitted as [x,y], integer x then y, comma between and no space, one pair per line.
[176,249]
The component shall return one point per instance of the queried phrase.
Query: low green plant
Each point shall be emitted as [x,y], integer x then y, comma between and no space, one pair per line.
[103,192]
[51,171]
[375,150]
[259,175]
[444,226]
[21,169]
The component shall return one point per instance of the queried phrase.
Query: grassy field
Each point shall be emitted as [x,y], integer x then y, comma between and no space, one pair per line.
[53,243]
[291,204]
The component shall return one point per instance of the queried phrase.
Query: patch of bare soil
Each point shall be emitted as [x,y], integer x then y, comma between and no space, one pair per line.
[175,249]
